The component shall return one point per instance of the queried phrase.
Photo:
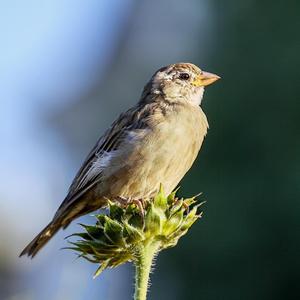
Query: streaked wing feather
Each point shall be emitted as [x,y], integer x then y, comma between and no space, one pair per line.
[110,141]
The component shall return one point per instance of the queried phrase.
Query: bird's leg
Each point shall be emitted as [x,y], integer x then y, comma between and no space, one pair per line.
[140,204]
[123,201]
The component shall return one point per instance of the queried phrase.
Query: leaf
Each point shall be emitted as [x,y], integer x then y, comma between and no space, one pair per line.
[160,201]
[115,211]
[101,268]
[94,232]
[153,221]
[171,197]
[101,219]
[173,223]
[176,207]
[132,234]
[113,230]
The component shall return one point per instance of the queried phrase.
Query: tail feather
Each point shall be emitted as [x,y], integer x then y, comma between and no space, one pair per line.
[61,220]
[41,239]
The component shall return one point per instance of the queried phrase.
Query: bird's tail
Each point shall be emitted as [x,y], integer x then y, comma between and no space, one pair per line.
[41,239]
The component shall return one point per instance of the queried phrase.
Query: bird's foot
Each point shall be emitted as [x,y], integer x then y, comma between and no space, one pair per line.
[139,203]
[123,201]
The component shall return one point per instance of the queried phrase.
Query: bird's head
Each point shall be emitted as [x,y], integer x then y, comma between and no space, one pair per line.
[181,82]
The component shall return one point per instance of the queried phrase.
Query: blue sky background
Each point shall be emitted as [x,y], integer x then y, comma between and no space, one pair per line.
[51,52]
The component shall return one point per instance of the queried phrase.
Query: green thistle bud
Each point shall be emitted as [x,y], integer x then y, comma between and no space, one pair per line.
[126,234]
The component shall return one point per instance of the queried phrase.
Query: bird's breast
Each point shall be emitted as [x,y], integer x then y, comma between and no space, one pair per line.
[160,154]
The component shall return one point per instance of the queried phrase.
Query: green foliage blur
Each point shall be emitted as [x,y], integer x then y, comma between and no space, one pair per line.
[249,169]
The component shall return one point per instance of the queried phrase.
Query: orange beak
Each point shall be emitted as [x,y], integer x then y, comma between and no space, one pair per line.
[205,79]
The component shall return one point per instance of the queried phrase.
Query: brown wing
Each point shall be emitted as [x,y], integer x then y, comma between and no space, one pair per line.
[112,139]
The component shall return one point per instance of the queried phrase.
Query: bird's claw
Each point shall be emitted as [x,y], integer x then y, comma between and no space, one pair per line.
[123,201]
[139,203]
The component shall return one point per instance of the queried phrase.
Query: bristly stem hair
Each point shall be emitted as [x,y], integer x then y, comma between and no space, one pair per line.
[143,267]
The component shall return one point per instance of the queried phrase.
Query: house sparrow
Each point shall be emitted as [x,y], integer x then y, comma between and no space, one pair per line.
[154,142]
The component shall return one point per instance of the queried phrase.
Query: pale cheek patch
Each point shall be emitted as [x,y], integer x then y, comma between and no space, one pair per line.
[173,91]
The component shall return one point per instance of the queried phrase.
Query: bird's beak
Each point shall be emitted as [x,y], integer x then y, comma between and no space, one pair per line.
[205,79]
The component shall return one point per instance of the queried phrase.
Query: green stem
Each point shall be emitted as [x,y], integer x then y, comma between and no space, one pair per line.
[144,260]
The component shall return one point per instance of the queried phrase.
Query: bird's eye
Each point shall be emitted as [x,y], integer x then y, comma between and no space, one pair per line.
[184,76]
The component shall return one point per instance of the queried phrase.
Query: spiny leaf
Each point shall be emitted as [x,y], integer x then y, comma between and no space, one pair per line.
[115,211]
[160,201]
[172,196]
[101,268]
[94,232]
[153,221]
[173,223]
[176,207]
[132,234]
[113,230]
[113,240]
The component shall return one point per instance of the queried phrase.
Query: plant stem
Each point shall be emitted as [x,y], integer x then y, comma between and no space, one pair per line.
[144,260]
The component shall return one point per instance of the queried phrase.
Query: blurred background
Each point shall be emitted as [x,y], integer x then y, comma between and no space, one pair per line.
[68,68]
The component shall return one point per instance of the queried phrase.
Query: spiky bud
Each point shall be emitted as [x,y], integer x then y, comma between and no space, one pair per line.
[118,236]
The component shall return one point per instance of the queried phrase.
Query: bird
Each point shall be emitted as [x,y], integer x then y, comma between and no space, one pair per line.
[153,143]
